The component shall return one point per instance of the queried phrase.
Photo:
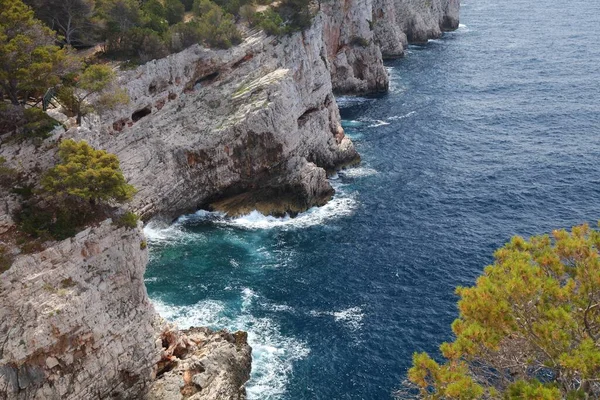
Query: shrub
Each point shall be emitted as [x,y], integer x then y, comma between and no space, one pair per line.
[215,27]
[247,13]
[49,223]
[270,22]
[25,123]
[296,14]
[174,10]
[359,41]
[128,220]
[38,124]
[181,36]
[86,174]
[8,176]
[5,259]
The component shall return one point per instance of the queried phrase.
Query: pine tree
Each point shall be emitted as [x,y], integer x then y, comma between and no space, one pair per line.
[528,329]
[30,62]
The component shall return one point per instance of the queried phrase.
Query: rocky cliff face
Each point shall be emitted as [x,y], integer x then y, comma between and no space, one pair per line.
[359,34]
[255,126]
[76,323]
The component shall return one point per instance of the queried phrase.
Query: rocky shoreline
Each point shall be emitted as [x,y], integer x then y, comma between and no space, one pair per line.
[252,127]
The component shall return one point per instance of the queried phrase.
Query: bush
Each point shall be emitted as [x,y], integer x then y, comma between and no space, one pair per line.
[296,14]
[5,259]
[182,36]
[86,174]
[215,28]
[57,223]
[270,22]
[128,220]
[8,176]
[174,11]
[25,123]
[38,124]
[142,44]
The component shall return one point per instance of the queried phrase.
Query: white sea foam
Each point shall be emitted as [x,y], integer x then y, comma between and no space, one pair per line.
[247,296]
[351,317]
[463,27]
[351,123]
[337,207]
[347,101]
[273,354]
[398,117]
[158,234]
[277,307]
[207,312]
[378,123]
[357,172]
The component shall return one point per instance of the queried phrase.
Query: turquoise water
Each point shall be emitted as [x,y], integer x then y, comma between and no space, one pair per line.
[491,131]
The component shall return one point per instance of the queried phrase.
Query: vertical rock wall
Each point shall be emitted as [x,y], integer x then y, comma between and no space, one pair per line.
[359,34]
[76,322]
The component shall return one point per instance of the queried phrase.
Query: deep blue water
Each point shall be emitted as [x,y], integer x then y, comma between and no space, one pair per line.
[491,131]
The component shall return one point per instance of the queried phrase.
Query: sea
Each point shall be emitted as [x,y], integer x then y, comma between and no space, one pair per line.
[491,131]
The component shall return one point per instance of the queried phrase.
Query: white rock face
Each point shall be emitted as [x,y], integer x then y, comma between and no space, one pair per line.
[355,58]
[360,33]
[205,124]
[75,320]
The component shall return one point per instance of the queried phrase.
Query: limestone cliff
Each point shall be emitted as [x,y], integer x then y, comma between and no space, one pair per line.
[75,319]
[76,323]
[359,34]
[256,126]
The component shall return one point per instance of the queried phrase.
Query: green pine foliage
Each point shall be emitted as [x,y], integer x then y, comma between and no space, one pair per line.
[528,329]
[30,62]
[128,220]
[87,174]
[81,189]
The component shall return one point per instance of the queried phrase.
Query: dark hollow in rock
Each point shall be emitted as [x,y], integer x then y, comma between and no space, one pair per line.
[139,114]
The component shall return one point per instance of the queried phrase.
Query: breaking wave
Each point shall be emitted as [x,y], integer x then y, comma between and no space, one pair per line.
[351,317]
[358,172]
[343,204]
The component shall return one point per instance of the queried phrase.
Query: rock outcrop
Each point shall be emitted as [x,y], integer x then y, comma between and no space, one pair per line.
[259,119]
[356,62]
[201,364]
[75,321]
[359,34]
